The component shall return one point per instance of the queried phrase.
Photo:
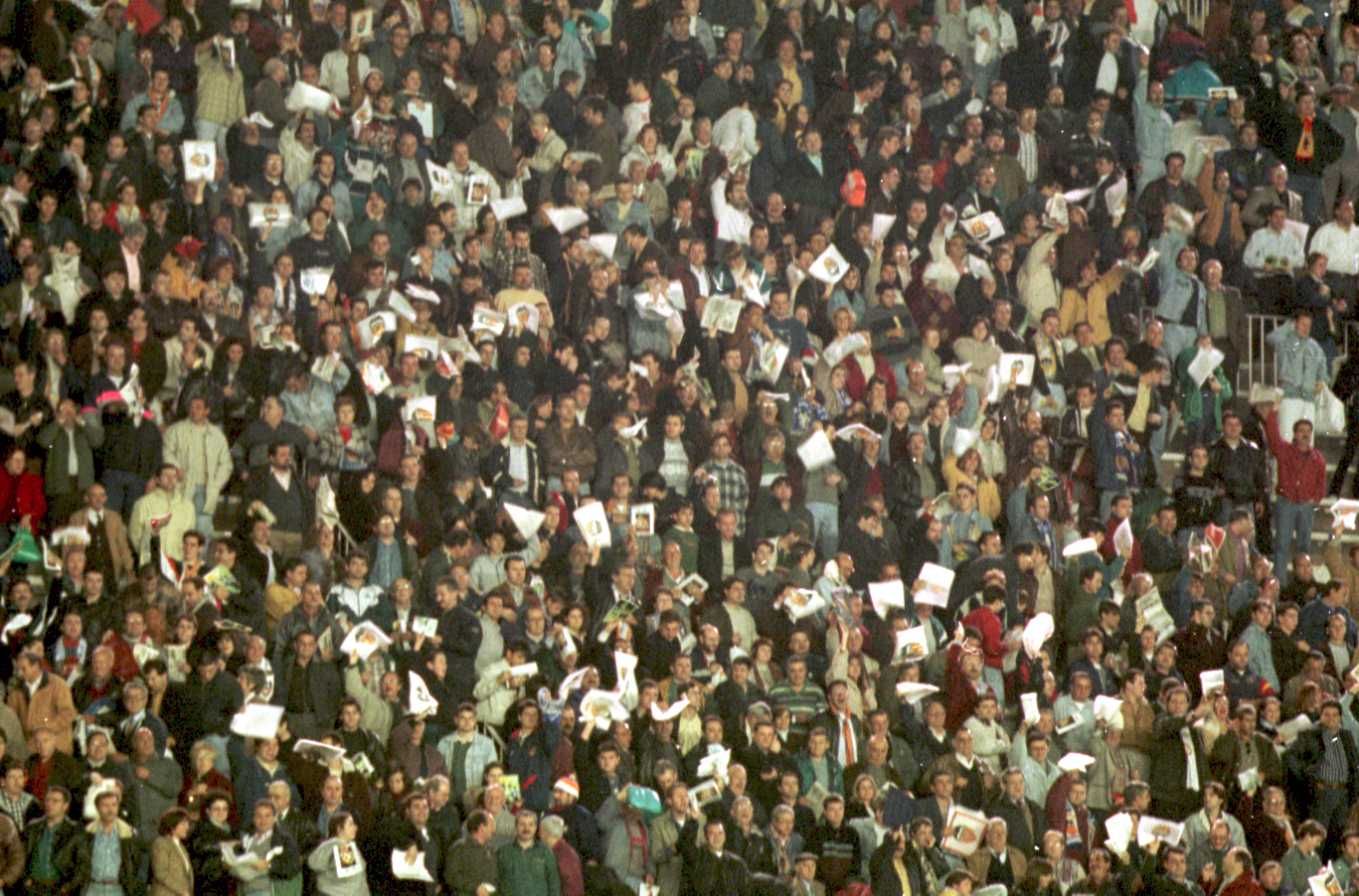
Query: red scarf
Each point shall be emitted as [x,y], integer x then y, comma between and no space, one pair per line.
[1305,145]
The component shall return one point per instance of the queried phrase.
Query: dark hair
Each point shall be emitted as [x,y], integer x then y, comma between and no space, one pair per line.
[170,820]
[337,822]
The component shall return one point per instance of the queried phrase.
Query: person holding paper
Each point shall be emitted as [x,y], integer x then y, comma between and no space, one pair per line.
[337,861]
[1202,397]
[1179,762]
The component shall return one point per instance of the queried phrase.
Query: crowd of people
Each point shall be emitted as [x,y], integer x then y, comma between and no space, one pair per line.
[678,448]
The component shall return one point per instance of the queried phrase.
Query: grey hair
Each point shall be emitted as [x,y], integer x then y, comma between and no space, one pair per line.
[552,826]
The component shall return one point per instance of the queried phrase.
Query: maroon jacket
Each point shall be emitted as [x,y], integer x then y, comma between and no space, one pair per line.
[568,868]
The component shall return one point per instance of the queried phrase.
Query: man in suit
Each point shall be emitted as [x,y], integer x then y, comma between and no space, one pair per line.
[69,435]
[515,467]
[1232,751]
[309,689]
[1323,771]
[1023,818]
[108,549]
[719,558]
[713,870]
[997,861]
[292,820]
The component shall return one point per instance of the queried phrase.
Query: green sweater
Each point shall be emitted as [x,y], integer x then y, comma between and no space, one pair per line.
[527,872]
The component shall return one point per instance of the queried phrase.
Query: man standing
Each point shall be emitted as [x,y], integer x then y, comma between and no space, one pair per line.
[525,867]
[199,448]
[108,857]
[1302,484]
[1323,766]
[1302,368]
[164,513]
[45,845]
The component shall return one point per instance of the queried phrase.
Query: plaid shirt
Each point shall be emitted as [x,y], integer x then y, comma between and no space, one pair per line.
[732,488]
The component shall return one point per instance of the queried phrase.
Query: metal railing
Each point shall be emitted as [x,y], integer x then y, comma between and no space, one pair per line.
[1259,363]
[1196,12]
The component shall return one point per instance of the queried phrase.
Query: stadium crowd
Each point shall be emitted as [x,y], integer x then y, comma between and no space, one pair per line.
[678,448]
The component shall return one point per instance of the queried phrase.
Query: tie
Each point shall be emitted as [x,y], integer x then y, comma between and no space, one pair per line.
[847,736]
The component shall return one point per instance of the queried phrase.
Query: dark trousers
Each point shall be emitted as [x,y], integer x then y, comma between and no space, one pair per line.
[1342,468]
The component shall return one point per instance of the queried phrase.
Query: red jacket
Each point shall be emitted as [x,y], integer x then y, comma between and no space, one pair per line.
[1245,884]
[22,496]
[568,868]
[1302,474]
[856,384]
[993,638]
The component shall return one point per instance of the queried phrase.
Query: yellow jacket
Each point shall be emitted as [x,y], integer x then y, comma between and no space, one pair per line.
[1093,307]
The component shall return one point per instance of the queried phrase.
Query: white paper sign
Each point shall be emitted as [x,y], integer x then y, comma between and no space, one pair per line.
[964,830]
[1080,546]
[511,207]
[829,266]
[364,639]
[912,644]
[1150,828]
[594,524]
[882,224]
[315,280]
[421,701]
[1211,680]
[273,214]
[200,160]
[1029,701]
[373,327]
[938,583]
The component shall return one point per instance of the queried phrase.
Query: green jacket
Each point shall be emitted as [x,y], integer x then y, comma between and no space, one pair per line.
[527,872]
[58,474]
[1191,396]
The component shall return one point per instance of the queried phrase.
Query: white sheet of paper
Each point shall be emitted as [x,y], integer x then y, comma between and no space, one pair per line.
[1212,680]
[305,97]
[566,218]
[258,720]
[1080,546]
[670,712]
[1118,830]
[1203,365]
[403,870]
[886,595]
[1029,701]
[421,701]
[526,521]
[714,764]
[524,670]
[1123,538]
[915,690]
[507,208]
[881,225]
[816,451]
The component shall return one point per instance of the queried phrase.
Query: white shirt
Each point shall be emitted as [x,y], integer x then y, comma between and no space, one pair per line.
[134,269]
[1340,246]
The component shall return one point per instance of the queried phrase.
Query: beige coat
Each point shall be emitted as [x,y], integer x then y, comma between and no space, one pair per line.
[49,707]
[120,549]
[171,872]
